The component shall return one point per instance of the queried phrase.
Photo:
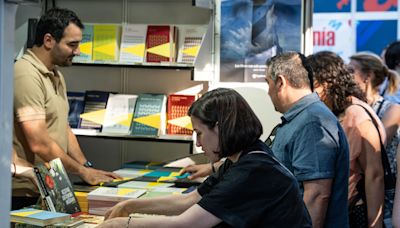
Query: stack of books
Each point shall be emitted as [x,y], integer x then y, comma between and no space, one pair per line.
[103,198]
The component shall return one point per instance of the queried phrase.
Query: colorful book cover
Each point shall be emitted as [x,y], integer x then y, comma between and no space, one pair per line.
[86,46]
[106,42]
[190,41]
[178,120]
[94,109]
[114,194]
[158,43]
[38,217]
[55,187]
[144,185]
[143,165]
[76,105]
[133,43]
[119,113]
[149,118]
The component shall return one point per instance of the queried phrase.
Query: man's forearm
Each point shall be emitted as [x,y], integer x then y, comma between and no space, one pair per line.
[74,150]
[317,209]
[316,197]
[51,150]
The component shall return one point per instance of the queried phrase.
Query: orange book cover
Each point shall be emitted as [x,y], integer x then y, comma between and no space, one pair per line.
[158,43]
[178,121]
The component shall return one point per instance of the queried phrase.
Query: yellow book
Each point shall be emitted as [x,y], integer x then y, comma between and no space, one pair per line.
[106,42]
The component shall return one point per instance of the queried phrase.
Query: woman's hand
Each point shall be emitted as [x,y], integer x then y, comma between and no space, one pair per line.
[114,223]
[196,171]
[122,209]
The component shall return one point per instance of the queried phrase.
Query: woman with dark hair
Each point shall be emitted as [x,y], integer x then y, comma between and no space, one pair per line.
[251,188]
[370,73]
[336,87]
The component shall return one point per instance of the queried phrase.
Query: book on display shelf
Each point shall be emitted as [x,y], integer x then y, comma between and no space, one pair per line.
[94,110]
[178,120]
[106,40]
[119,113]
[149,118]
[133,43]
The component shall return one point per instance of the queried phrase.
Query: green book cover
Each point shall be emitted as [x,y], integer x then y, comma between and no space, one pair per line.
[56,188]
[149,117]
[86,46]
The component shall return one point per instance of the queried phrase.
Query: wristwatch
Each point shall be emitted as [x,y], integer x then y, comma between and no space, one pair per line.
[88,164]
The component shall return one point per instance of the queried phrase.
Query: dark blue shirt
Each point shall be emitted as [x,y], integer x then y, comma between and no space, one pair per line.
[255,191]
[311,143]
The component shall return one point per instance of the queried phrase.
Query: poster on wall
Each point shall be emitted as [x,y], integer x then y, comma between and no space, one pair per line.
[376,5]
[369,34]
[328,36]
[253,31]
[332,6]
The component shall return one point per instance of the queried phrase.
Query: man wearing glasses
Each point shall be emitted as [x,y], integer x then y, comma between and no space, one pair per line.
[309,141]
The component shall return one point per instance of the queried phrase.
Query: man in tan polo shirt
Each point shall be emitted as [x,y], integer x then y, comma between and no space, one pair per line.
[41,130]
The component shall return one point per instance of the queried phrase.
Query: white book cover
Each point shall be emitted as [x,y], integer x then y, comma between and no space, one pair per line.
[131,173]
[119,113]
[190,40]
[114,194]
[133,43]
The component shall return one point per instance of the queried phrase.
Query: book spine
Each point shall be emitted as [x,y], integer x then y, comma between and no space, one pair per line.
[43,192]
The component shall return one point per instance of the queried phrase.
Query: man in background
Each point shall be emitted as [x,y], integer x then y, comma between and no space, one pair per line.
[41,129]
[310,141]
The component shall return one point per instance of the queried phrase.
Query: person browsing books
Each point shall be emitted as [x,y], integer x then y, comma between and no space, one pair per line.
[339,91]
[251,188]
[41,130]
[310,141]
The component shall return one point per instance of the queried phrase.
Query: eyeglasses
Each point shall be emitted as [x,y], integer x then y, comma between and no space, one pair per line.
[308,68]
[272,135]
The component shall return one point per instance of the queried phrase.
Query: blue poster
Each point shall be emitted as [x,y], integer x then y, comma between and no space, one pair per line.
[376,5]
[253,31]
[332,6]
[370,38]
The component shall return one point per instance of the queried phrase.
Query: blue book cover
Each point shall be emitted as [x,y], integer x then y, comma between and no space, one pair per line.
[76,102]
[149,118]
[94,101]
[38,217]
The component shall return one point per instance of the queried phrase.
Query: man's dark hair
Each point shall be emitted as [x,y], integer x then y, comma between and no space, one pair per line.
[238,125]
[54,22]
[293,66]
[392,55]
[331,72]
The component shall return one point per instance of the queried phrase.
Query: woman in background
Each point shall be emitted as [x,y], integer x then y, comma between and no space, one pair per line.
[370,73]
[336,87]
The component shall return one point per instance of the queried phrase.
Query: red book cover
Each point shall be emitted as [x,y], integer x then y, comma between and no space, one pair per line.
[178,106]
[158,46]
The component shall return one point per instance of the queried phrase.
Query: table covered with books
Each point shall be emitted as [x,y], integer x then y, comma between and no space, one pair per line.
[81,205]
